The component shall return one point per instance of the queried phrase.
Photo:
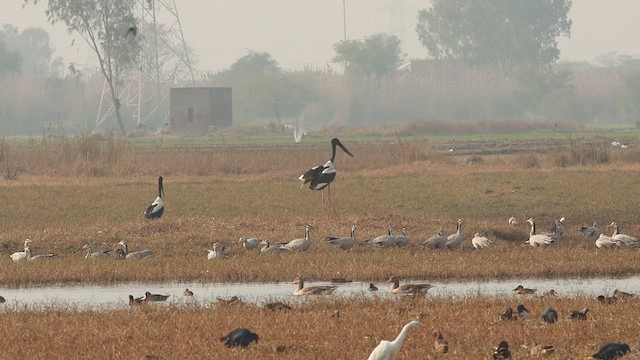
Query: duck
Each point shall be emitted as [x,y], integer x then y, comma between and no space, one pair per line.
[384,241]
[38,257]
[277,306]
[136,254]
[135,301]
[441,345]
[343,242]
[413,289]
[372,287]
[621,295]
[521,290]
[339,279]
[502,351]
[480,242]
[623,239]
[187,292]
[604,241]
[239,337]
[607,299]
[550,293]
[507,314]
[217,251]
[454,240]
[438,241]
[21,255]
[95,255]
[268,249]
[538,239]
[523,312]
[579,315]
[312,290]
[612,351]
[298,244]
[155,297]
[403,240]
[388,349]
[249,243]
[230,301]
[549,316]
[590,231]
[537,350]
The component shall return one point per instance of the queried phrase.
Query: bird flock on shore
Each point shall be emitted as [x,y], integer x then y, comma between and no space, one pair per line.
[319,178]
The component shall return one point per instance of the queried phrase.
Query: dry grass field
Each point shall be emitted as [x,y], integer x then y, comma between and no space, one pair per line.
[62,194]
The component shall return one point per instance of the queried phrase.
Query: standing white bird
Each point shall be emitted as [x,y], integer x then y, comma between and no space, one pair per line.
[590,231]
[387,350]
[321,176]
[480,242]
[21,255]
[298,244]
[454,240]
[136,254]
[438,241]
[343,242]
[95,255]
[538,239]
[249,243]
[624,239]
[217,251]
[155,210]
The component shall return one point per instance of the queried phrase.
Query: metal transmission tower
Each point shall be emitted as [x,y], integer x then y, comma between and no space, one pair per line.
[164,62]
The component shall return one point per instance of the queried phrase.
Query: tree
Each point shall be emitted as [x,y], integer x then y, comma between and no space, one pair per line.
[504,33]
[9,60]
[377,56]
[109,28]
[34,46]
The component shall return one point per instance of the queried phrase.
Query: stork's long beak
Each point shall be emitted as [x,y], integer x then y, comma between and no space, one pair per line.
[345,149]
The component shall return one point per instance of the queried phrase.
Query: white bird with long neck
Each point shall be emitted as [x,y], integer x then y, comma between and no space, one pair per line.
[454,240]
[298,244]
[155,210]
[387,350]
[21,255]
[136,254]
[343,242]
[538,239]
[624,239]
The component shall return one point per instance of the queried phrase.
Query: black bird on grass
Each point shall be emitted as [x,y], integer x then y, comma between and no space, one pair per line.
[239,337]
[502,351]
[321,176]
[155,210]
[612,351]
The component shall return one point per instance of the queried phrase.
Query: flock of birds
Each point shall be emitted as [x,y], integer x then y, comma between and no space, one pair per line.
[320,177]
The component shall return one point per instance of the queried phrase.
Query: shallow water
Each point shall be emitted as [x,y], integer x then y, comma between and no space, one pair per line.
[114,296]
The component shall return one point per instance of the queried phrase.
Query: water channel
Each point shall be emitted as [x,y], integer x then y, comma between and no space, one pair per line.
[117,295]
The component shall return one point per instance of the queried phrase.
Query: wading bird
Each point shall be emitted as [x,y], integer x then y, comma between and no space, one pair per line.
[387,350]
[321,176]
[155,210]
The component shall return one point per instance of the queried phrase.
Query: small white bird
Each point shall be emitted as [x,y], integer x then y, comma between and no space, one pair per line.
[513,221]
[387,350]
[480,242]
[249,243]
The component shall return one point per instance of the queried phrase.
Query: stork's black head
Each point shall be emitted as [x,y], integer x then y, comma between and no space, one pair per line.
[337,142]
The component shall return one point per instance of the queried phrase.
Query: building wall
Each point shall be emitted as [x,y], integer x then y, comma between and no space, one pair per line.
[198,110]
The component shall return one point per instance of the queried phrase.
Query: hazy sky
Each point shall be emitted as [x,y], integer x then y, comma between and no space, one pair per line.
[302,32]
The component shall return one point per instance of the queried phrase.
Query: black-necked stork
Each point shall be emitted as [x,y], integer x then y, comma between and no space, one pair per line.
[321,176]
[155,210]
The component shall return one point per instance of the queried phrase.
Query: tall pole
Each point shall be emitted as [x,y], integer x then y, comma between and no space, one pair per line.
[344,19]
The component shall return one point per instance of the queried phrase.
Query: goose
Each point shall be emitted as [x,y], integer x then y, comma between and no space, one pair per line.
[538,239]
[38,257]
[550,316]
[624,239]
[480,242]
[612,351]
[311,290]
[187,292]
[387,350]
[604,241]
[95,255]
[239,337]
[537,350]
[21,255]
[154,297]
[454,240]
[268,249]
[579,315]
[217,251]
[402,240]
[383,241]
[590,231]
[321,176]
[136,254]
[135,301]
[343,243]
[249,243]
[298,244]
[558,226]
[413,289]
[521,290]
[438,241]
[155,210]
[441,345]
[502,351]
